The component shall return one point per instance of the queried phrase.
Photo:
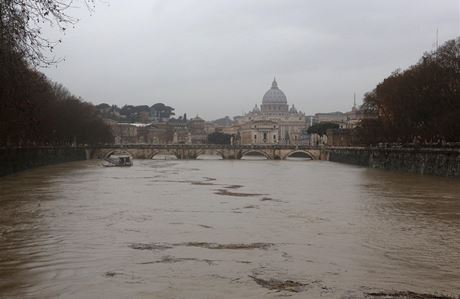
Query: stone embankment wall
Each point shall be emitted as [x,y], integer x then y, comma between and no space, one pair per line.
[17,159]
[432,161]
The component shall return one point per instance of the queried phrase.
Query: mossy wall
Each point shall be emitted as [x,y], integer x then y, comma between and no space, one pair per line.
[432,161]
[17,159]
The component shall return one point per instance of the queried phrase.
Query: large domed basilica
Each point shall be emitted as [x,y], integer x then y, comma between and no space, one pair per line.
[274,122]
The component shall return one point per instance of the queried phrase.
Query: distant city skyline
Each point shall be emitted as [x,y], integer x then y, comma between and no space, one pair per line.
[219,59]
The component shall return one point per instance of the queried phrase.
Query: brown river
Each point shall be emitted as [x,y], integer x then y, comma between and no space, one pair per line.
[227,229]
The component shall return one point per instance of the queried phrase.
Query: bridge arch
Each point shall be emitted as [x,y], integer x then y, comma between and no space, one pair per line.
[299,153]
[261,152]
[165,153]
[107,154]
[211,152]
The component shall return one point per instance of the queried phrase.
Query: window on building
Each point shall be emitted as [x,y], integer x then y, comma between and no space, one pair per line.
[265,137]
[274,137]
[255,137]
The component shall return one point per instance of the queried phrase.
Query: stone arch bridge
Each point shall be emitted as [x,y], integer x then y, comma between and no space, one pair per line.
[193,151]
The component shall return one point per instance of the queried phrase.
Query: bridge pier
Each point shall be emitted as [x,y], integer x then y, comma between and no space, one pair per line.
[276,154]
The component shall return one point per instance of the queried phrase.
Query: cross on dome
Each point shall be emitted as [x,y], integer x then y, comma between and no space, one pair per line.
[274,84]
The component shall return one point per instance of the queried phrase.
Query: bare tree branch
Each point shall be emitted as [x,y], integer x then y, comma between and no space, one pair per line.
[22,21]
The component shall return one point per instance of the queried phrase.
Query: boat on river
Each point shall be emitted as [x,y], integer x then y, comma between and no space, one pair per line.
[117,161]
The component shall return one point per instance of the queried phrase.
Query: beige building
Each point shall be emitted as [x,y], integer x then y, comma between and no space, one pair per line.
[274,122]
[333,117]
[197,130]
[347,120]
[260,132]
[233,130]
[174,131]
[123,132]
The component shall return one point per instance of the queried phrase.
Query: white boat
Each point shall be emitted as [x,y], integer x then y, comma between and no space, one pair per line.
[117,160]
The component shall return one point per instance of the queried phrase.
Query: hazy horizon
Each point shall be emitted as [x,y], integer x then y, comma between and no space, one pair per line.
[219,58]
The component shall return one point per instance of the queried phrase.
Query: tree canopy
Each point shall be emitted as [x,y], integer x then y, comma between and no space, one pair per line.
[219,138]
[162,111]
[22,22]
[421,103]
[34,110]
[321,128]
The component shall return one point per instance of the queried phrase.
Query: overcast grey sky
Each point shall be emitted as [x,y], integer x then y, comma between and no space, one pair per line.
[218,57]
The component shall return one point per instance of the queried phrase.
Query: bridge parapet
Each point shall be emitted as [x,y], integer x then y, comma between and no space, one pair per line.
[192,151]
[204,146]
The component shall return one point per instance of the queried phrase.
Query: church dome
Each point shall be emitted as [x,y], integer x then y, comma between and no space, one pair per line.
[274,95]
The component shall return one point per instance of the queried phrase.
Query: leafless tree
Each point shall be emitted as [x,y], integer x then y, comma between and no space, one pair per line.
[419,103]
[22,22]
[33,110]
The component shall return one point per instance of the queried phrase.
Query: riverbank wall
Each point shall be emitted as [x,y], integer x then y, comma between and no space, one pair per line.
[430,161]
[16,159]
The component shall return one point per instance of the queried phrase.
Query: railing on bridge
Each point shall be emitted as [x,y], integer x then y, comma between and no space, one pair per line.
[206,146]
[192,151]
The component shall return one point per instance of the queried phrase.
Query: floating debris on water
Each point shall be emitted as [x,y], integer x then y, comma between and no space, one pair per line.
[207,183]
[205,226]
[280,285]
[112,274]
[270,199]
[227,246]
[173,259]
[150,246]
[163,246]
[234,187]
[209,179]
[406,295]
[239,194]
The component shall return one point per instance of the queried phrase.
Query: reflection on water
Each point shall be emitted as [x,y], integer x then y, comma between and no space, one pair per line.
[209,157]
[254,157]
[298,159]
[194,229]
[164,157]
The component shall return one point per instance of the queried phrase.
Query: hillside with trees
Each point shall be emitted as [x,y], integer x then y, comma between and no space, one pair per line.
[158,112]
[420,104]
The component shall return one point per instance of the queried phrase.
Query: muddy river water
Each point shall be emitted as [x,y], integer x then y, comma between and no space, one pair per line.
[226,229]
